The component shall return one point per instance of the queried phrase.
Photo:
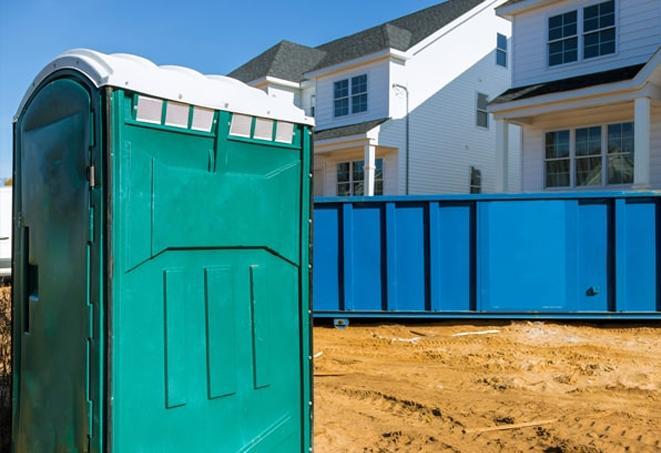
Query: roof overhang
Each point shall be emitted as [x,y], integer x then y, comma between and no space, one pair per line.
[174,83]
[646,83]
[510,9]
[269,80]
[385,54]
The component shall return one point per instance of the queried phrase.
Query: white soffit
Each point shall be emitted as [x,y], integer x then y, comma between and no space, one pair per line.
[174,83]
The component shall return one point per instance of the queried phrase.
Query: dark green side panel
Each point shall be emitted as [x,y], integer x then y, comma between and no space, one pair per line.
[209,259]
[54,394]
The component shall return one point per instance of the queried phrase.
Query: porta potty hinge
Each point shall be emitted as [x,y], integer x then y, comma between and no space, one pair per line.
[90,176]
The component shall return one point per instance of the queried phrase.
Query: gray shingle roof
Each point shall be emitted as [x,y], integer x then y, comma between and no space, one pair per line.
[289,61]
[286,60]
[572,83]
[346,131]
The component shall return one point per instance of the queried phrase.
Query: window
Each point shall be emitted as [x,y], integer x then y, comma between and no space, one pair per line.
[313,105]
[588,156]
[482,114]
[557,159]
[341,96]
[620,153]
[599,29]
[475,181]
[350,97]
[351,178]
[600,155]
[501,50]
[359,94]
[563,38]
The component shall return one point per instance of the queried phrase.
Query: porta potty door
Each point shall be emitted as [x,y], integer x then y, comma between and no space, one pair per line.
[209,283]
[53,401]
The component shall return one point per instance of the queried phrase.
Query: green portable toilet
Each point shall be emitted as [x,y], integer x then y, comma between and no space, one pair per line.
[161,262]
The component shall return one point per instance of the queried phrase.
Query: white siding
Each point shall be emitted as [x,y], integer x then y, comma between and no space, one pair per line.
[638,25]
[285,94]
[443,81]
[377,96]
[533,139]
[655,147]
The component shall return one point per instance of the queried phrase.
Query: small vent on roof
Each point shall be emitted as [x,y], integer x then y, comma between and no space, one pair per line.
[241,125]
[202,119]
[150,110]
[284,132]
[263,129]
[176,114]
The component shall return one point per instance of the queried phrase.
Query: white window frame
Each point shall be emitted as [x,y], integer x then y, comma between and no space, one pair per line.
[580,35]
[478,110]
[473,187]
[352,181]
[572,157]
[598,30]
[502,50]
[350,95]
[577,35]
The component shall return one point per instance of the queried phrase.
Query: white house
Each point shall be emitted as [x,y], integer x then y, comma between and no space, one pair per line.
[586,79]
[401,107]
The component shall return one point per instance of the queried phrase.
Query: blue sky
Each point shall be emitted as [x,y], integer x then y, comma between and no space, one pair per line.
[209,36]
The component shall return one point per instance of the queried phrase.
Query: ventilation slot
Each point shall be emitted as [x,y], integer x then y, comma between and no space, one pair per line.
[202,119]
[241,125]
[263,129]
[176,114]
[284,132]
[150,110]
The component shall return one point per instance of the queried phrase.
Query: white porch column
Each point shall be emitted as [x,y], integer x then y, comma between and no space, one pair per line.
[369,168]
[502,155]
[641,142]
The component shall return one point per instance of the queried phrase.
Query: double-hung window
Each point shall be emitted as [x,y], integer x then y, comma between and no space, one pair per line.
[558,160]
[350,95]
[351,178]
[341,96]
[563,38]
[590,156]
[594,24]
[475,184]
[620,153]
[501,50]
[599,29]
[482,118]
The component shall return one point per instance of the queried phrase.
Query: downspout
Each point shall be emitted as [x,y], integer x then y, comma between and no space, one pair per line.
[404,89]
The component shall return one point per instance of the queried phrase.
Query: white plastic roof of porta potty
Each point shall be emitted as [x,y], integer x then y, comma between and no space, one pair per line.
[175,83]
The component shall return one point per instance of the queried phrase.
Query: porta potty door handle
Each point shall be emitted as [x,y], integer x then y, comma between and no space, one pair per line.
[31,281]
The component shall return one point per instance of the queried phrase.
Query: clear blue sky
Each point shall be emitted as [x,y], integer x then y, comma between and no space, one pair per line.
[209,36]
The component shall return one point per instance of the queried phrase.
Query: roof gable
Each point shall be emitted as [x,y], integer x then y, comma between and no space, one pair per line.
[290,61]
[286,60]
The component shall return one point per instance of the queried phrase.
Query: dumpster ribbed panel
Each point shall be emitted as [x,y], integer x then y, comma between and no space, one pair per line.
[533,255]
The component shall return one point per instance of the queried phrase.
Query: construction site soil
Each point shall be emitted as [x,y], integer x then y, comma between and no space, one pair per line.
[471,387]
[461,387]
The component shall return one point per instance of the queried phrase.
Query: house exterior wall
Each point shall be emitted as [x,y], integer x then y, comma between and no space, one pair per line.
[638,31]
[287,94]
[533,141]
[443,79]
[377,95]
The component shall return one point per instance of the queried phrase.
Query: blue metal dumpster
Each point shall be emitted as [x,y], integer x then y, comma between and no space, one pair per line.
[569,255]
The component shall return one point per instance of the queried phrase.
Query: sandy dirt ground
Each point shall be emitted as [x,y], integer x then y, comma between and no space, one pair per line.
[418,388]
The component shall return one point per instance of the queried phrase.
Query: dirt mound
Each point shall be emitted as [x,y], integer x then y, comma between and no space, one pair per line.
[5,366]
[523,386]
